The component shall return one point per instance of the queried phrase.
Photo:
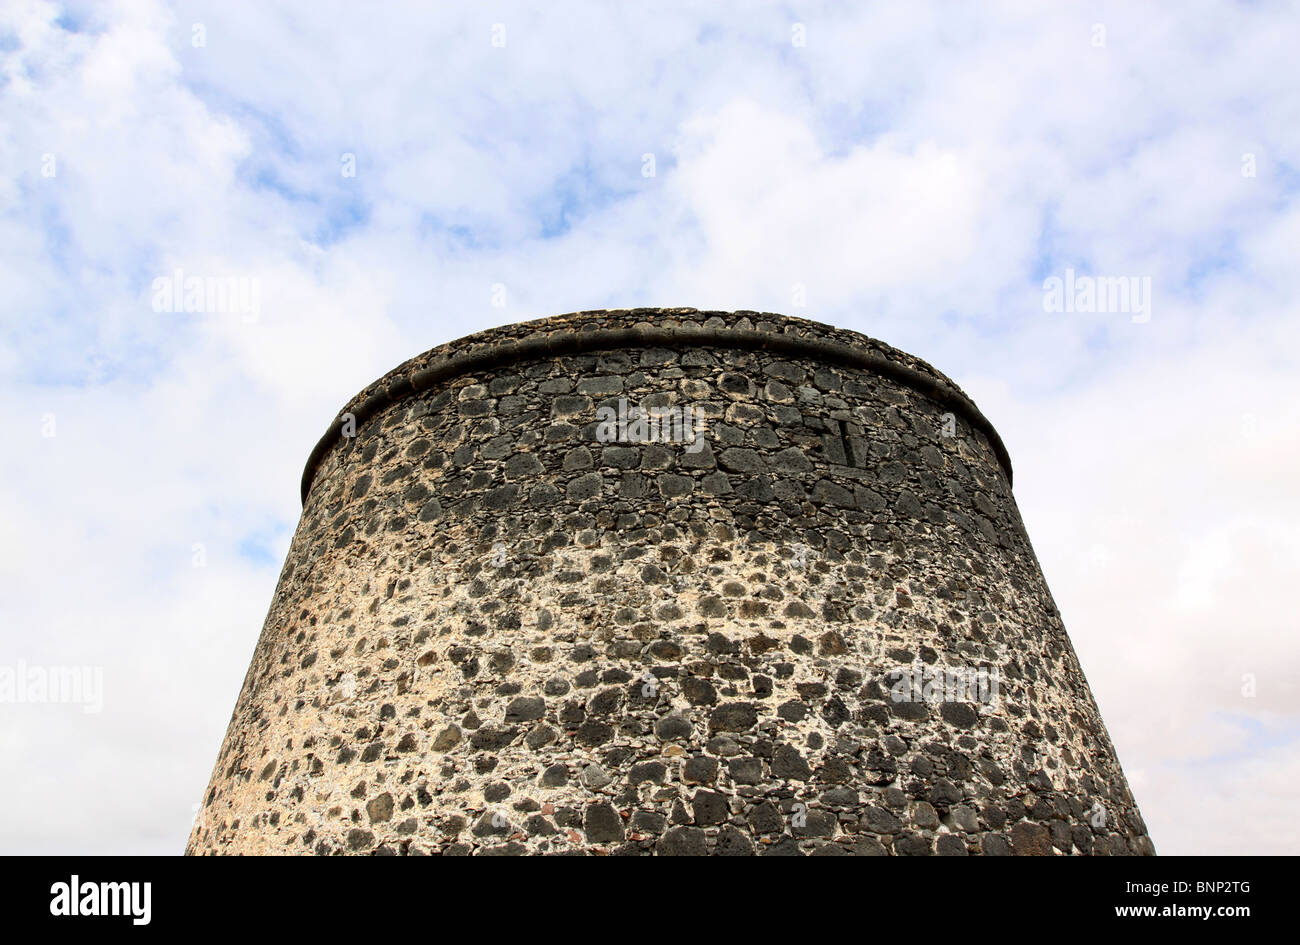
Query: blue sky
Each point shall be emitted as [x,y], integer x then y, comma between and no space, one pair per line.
[916,170]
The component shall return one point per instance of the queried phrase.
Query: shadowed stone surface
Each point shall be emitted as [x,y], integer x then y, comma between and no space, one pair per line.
[496,634]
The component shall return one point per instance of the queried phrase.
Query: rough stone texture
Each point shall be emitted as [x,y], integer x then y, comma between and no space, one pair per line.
[496,635]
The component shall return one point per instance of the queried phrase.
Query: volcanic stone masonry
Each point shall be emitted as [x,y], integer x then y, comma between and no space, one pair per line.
[507,626]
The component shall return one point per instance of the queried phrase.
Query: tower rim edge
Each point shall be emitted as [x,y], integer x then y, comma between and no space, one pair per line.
[565,340]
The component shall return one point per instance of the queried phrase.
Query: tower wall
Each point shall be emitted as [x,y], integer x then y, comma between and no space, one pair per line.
[501,629]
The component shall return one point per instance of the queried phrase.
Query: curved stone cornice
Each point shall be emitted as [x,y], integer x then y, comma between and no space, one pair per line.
[496,348]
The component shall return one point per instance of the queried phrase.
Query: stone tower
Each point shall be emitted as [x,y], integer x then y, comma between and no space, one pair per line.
[664,581]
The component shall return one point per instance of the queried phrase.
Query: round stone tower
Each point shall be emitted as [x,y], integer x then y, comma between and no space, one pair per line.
[664,581]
